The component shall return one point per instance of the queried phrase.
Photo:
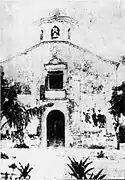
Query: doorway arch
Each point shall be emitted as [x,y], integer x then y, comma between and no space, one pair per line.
[55,128]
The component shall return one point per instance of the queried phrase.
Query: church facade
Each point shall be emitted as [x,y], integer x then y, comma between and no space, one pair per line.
[64,75]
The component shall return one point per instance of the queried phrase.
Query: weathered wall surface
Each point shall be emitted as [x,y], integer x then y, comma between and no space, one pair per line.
[90,78]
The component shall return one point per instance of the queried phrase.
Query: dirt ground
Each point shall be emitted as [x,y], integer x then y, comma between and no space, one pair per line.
[51,163]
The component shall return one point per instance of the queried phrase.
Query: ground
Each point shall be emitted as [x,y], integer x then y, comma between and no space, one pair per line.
[50,163]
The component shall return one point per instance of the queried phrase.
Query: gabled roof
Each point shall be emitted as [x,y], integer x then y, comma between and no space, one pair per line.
[113,62]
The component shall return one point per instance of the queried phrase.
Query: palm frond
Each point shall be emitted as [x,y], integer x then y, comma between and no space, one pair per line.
[98,174]
[75,175]
[101,177]
[24,170]
[86,172]
[80,171]
[83,163]
[86,165]
[72,168]
[30,169]
[91,176]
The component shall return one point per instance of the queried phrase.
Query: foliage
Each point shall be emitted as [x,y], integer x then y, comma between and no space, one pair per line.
[18,87]
[96,89]
[87,66]
[4,136]
[118,102]
[24,171]
[81,171]
[5,176]
[25,89]
[4,156]
[18,115]
[4,92]
[13,166]
[9,96]
[71,108]
[97,176]
[22,88]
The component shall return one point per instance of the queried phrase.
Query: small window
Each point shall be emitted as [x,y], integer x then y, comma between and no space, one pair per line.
[55,32]
[69,33]
[41,35]
[55,79]
[42,92]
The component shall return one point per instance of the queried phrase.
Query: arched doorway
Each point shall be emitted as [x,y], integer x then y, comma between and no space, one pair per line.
[55,128]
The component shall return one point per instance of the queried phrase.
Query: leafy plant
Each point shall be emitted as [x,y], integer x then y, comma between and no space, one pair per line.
[4,156]
[117,101]
[17,115]
[5,175]
[24,171]
[13,166]
[81,171]
[97,176]
[118,107]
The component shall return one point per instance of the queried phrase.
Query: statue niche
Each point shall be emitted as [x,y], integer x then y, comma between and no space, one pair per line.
[55,32]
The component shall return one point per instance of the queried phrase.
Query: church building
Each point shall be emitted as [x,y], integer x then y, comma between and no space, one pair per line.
[60,73]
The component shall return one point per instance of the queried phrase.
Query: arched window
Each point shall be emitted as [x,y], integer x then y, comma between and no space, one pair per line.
[69,33]
[55,32]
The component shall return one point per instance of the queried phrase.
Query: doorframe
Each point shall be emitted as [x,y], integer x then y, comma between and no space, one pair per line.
[60,105]
[62,118]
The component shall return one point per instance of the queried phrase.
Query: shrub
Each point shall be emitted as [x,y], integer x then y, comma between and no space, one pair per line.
[81,171]
[24,171]
[13,166]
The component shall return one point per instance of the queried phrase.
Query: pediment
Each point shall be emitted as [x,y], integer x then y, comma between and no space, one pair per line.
[55,63]
[55,60]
